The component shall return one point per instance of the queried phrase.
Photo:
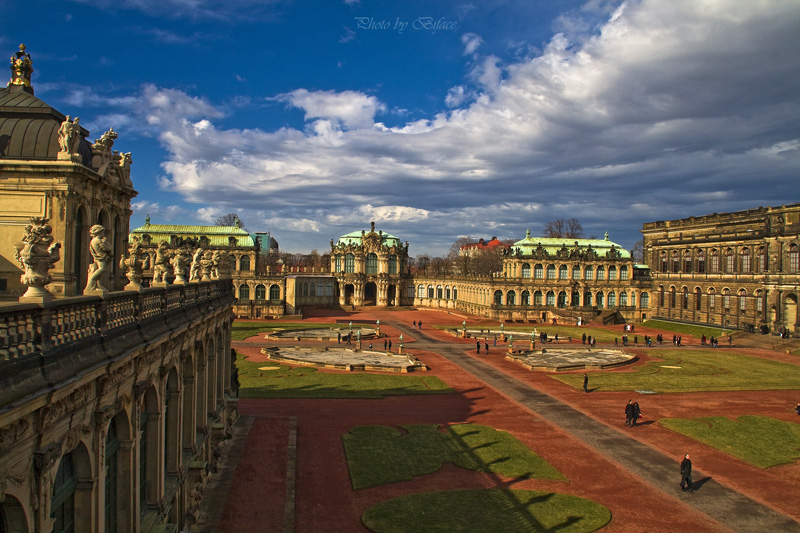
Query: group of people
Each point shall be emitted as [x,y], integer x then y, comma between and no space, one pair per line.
[711,341]
[416,325]
[632,413]
[676,340]
[588,339]
[486,345]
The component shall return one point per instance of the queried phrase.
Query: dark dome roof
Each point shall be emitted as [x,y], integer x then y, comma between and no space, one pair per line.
[29,127]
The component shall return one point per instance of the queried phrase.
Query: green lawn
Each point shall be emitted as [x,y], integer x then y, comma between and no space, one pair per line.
[687,329]
[283,381]
[695,370]
[495,510]
[759,440]
[379,455]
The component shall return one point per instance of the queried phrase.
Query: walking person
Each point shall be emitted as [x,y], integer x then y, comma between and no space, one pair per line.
[339,337]
[585,382]
[486,345]
[385,344]
[629,413]
[637,412]
[479,346]
[415,325]
[686,474]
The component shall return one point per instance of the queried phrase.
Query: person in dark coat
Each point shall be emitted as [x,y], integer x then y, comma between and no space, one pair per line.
[686,474]
[585,382]
[629,413]
[636,414]
[478,344]
[486,344]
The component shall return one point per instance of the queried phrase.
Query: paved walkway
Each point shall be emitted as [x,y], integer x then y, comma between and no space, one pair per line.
[725,505]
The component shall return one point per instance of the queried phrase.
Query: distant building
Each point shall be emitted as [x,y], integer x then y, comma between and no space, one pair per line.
[739,270]
[475,247]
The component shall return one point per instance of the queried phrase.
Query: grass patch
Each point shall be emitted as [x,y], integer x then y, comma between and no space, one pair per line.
[495,510]
[687,329]
[307,382]
[759,440]
[379,455]
[698,370]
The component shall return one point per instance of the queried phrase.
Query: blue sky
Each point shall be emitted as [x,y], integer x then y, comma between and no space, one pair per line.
[436,119]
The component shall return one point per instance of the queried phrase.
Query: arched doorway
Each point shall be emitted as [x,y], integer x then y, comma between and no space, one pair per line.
[790,311]
[370,293]
[349,291]
[12,515]
[391,295]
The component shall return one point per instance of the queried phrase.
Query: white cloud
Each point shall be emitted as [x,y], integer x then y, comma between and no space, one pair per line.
[673,105]
[472,42]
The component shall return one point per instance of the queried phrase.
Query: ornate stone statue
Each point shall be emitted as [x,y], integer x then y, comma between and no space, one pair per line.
[180,262]
[101,252]
[69,139]
[101,151]
[220,265]
[206,264]
[161,265]
[194,272]
[133,264]
[37,253]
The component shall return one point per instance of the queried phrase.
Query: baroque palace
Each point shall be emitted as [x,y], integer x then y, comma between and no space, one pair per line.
[119,385]
[116,399]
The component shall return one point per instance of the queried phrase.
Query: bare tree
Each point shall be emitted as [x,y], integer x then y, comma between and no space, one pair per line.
[231,219]
[422,262]
[460,259]
[637,252]
[563,228]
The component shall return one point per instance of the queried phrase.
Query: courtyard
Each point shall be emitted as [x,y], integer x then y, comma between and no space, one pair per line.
[294,470]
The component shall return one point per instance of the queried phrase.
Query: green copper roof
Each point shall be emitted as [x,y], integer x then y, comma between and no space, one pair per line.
[354,237]
[217,235]
[552,245]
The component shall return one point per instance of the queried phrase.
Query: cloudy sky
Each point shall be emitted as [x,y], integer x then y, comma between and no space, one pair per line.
[435,119]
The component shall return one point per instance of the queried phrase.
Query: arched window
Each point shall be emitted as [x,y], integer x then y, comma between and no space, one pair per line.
[730,260]
[274,292]
[672,297]
[430,291]
[63,504]
[338,264]
[698,294]
[612,299]
[712,298]
[498,297]
[112,447]
[726,298]
[588,299]
[623,273]
[526,270]
[575,301]
[612,273]
[687,261]
[633,299]
[746,265]
[576,272]
[742,300]
[372,264]
[759,301]
[537,298]
[794,259]
[600,299]
[562,272]
[761,259]
[676,262]
[392,264]
[511,298]
[551,298]
[601,273]
[244,263]
[261,292]
[623,299]
[349,263]
[661,296]
[714,261]
[685,299]
[701,262]
[312,288]
[439,292]
[551,272]
[645,300]
[455,293]
[538,272]
[526,298]
[588,273]
[244,292]
[664,265]
[446,292]
[421,291]
[562,299]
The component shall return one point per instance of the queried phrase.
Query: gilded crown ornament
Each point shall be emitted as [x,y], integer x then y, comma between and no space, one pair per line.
[21,68]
